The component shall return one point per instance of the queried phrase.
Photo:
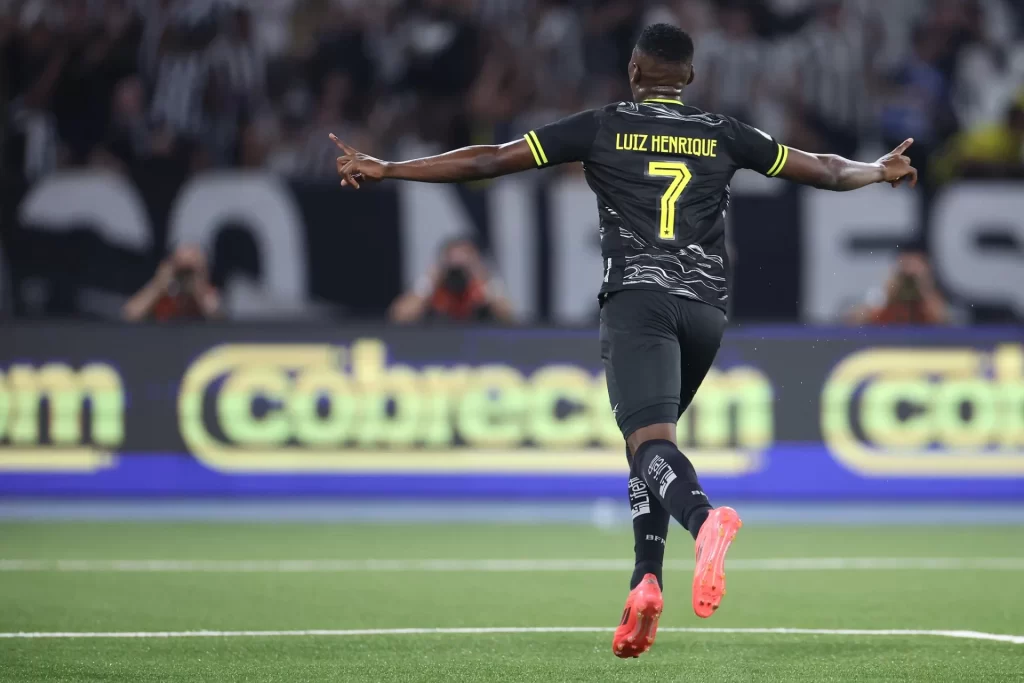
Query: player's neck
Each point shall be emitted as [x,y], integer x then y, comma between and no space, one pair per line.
[658,95]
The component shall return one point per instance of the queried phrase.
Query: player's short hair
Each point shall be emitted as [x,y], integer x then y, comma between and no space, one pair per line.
[666,43]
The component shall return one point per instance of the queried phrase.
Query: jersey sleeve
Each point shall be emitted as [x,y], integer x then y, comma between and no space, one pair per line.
[754,149]
[564,141]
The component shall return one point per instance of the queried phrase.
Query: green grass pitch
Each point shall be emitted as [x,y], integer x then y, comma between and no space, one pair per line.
[41,596]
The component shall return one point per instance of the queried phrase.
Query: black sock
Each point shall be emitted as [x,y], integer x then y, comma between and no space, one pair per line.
[696,520]
[673,481]
[650,529]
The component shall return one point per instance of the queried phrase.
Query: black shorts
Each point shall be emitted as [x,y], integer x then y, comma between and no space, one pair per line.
[656,348]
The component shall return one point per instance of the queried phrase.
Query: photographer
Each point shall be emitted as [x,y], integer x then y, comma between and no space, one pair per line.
[911,297]
[459,288]
[180,290]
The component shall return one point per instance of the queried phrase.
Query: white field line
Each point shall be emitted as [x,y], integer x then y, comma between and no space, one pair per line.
[968,635]
[574,565]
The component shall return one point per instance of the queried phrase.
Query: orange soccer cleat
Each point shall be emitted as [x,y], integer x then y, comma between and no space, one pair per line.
[716,534]
[639,624]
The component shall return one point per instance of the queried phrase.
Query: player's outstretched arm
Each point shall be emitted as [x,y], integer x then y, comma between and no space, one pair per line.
[831,172]
[460,165]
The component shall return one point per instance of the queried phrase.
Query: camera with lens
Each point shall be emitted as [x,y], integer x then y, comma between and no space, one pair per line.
[456,280]
[184,282]
[907,288]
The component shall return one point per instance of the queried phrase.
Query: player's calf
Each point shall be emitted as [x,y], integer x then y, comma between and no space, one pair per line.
[650,529]
[672,479]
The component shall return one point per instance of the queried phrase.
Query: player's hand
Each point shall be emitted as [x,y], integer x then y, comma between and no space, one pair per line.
[896,167]
[355,167]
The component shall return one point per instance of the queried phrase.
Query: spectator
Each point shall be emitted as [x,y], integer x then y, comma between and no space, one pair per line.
[497,94]
[272,24]
[129,137]
[611,28]
[102,51]
[978,59]
[731,63]
[558,57]
[221,122]
[180,290]
[829,98]
[995,150]
[239,58]
[911,297]
[182,73]
[308,156]
[444,60]
[459,288]
[340,45]
[917,102]
[34,59]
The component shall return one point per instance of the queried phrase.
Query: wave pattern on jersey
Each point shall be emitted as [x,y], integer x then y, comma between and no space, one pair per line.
[675,261]
[670,273]
[634,240]
[699,251]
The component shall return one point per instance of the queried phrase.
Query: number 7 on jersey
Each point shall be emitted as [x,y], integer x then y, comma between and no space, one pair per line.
[680,176]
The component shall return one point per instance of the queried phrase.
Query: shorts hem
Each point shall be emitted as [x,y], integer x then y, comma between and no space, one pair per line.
[667,413]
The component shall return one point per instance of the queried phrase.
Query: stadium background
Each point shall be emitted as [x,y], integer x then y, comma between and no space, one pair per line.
[134,126]
[228,106]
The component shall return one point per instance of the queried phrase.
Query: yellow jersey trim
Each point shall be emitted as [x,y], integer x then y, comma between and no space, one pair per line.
[529,141]
[540,148]
[780,162]
[662,100]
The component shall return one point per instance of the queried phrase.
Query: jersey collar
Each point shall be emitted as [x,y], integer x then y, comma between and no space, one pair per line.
[662,100]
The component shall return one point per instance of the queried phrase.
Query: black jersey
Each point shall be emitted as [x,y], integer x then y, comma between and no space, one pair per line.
[661,172]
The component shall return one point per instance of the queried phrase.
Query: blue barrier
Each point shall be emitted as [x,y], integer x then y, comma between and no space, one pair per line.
[794,472]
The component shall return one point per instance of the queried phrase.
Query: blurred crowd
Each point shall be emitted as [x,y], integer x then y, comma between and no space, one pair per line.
[260,83]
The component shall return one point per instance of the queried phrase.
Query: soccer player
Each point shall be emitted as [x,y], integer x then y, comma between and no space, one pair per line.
[661,171]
